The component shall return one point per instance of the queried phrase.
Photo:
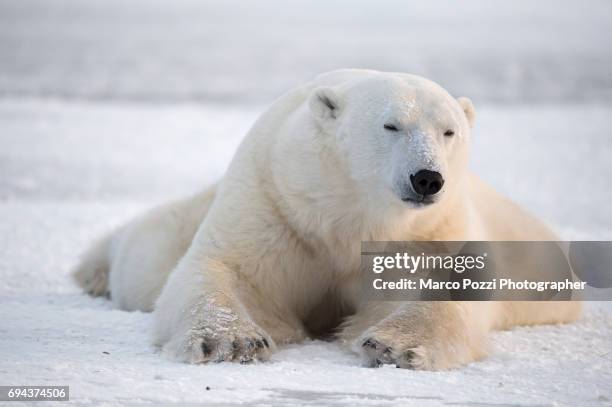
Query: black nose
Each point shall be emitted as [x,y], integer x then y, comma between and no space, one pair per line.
[427,182]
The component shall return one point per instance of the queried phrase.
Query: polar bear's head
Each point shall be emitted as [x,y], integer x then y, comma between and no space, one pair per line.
[399,138]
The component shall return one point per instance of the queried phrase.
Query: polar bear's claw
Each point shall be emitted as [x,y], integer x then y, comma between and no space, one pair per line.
[242,350]
[377,353]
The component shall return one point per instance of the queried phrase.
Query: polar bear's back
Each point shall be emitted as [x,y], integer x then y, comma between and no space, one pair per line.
[502,218]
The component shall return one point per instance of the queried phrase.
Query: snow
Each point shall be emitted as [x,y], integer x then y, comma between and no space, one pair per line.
[109,107]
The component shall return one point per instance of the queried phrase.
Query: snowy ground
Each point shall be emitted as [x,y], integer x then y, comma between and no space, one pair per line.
[108,107]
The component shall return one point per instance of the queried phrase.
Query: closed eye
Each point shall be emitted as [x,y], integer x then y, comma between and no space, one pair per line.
[390,127]
[449,133]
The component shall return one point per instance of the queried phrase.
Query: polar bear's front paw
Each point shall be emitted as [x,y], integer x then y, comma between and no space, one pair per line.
[417,350]
[378,353]
[236,345]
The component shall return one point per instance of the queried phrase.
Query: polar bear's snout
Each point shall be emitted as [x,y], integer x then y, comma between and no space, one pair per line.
[426,182]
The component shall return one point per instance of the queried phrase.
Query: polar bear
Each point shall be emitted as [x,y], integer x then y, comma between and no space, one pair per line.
[271,254]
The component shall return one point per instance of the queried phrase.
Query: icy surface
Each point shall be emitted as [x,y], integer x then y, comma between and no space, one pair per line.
[73,170]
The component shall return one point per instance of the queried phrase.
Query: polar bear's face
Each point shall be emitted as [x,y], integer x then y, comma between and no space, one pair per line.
[401,139]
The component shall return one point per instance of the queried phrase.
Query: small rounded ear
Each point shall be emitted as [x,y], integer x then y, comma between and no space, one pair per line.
[468,109]
[323,103]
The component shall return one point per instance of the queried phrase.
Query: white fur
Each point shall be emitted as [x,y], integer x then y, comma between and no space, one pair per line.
[276,255]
